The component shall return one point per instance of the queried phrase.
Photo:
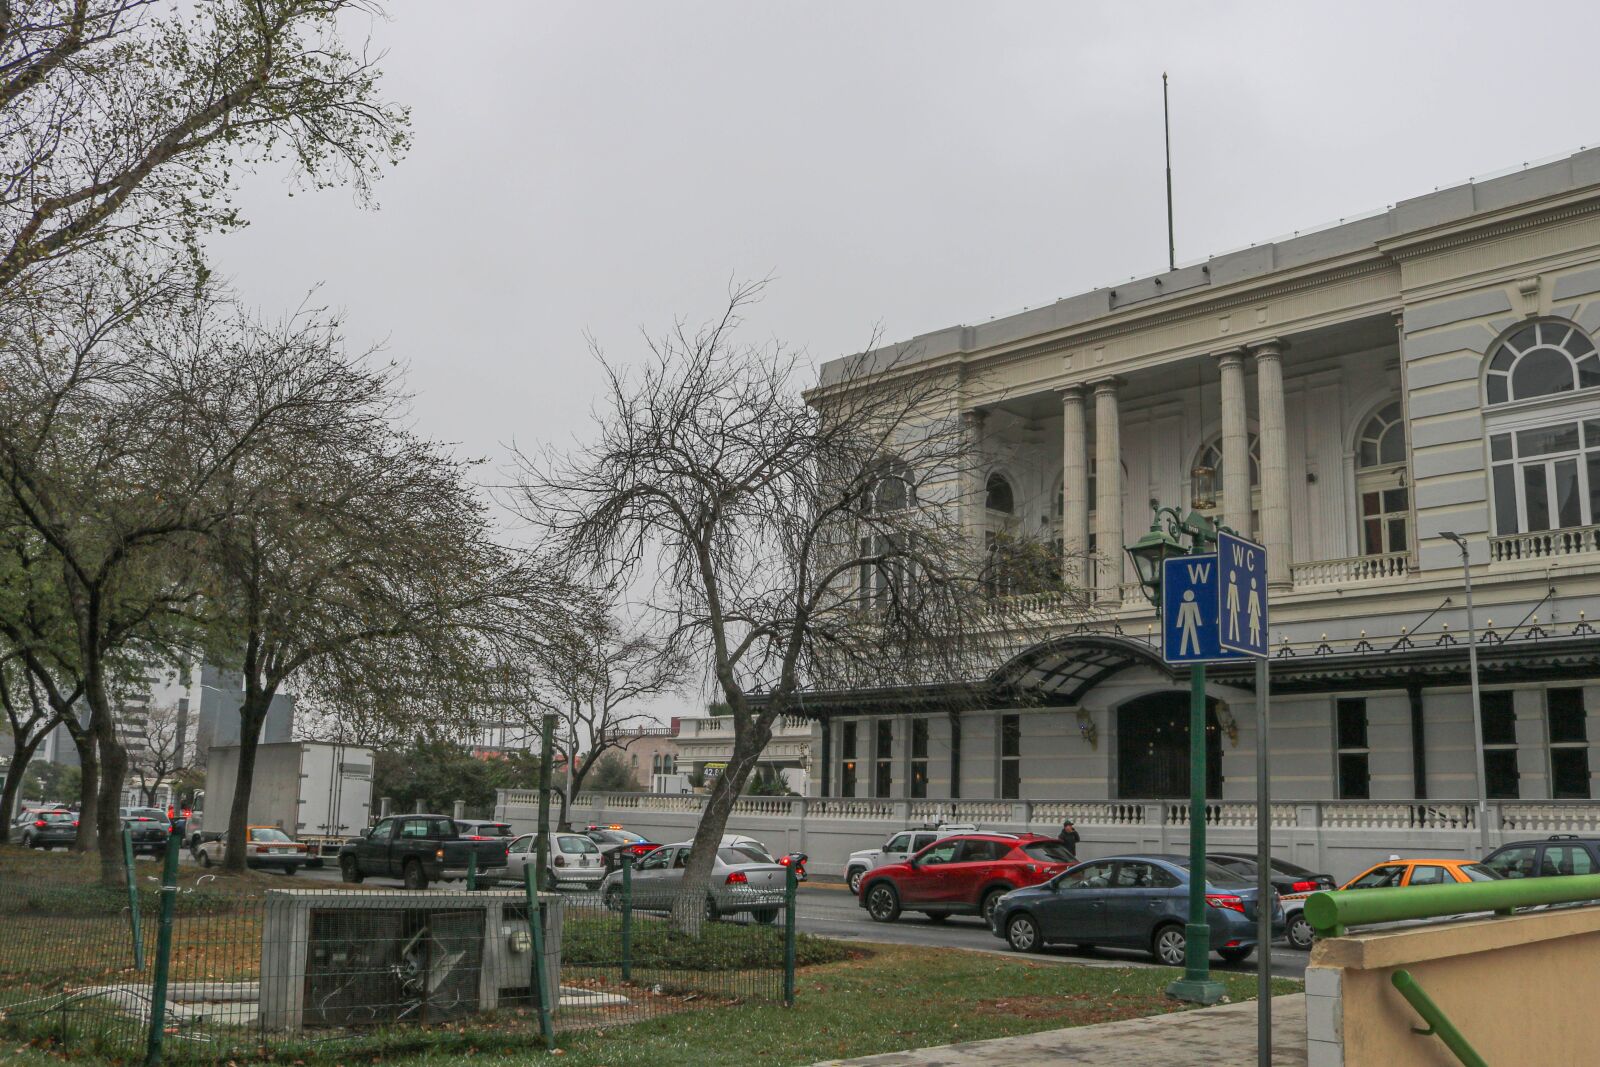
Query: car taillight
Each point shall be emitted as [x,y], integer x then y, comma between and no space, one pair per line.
[561,861]
[74,824]
[1226,900]
[737,878]
[40,823]
[784,862]
[438,853]
[1303,887]
[641,849]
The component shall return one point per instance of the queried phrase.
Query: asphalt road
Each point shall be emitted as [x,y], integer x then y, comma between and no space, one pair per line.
[830,911]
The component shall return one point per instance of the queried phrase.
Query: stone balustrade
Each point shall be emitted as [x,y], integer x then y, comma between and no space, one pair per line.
[1379,568]
[1572,541]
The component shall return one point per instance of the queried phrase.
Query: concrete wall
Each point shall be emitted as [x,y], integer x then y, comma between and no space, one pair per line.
[1519,989]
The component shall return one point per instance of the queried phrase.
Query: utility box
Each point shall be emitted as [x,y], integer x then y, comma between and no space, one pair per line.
[340,959]
[670,783]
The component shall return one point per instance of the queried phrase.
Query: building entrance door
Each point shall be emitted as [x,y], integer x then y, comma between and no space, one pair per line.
[1153,748]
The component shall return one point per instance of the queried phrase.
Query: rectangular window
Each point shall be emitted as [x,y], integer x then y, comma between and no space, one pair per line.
[1010,757]
[847,758]
[919,758]
[1568,720]
[955,757]
[1354,755]
[883,754]
[1545,478]
[1502,781]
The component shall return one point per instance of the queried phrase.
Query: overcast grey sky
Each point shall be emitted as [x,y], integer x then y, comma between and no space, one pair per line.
[601,167]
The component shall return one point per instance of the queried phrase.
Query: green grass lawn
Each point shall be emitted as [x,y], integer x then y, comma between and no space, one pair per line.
[888,998]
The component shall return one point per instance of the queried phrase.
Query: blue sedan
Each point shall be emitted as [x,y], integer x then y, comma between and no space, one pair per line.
[1134,901]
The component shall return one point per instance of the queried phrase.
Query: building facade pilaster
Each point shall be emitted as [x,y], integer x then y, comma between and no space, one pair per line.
[1108,488]
[1274,462]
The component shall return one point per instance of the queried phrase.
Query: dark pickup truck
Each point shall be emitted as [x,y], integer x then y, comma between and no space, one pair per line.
[417,849]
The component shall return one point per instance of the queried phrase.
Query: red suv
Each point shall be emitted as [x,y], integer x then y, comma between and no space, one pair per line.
[963,875]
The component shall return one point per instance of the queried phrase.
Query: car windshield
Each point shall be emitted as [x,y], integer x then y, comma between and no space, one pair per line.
[738,855]
[146,813]
[575,845]
[616,837]
[1293,870]
[269,833]
[486,829]
[1218,875]
[755,848]
[56,816]
[1048,852]
[1477,872]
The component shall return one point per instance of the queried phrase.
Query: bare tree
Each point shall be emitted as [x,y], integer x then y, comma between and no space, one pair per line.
[124,121]
[797,542]
[594,679]
[162,749]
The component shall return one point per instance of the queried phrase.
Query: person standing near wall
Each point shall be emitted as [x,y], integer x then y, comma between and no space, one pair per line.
[1069,837]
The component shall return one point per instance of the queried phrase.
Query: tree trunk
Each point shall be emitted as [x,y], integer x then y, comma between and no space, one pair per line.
[15,769]
[108,817]
[88,787]
[252,716]
[688,909]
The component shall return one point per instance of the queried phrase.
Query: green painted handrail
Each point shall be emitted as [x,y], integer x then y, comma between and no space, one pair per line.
[1438,1023]
[1331,914]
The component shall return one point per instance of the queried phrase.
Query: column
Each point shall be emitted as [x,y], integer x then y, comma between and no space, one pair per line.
[1274,462]
[972,479]
[1074,485]
[1235,444]
[1108,485]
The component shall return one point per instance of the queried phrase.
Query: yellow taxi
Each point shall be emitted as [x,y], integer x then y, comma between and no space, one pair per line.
[1391,873]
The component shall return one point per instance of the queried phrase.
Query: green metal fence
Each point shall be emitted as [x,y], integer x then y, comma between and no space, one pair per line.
[185,966]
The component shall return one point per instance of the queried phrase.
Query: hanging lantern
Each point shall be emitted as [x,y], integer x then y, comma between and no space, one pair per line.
[1203,488]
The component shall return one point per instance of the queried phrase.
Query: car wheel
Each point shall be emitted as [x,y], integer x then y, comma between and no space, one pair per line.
[883,902]
[205,858]
[27,840]
[711,913]
[1022,934]
[765,916]
[613,898]
[991,901]
[412,875]
[1235,955]
[853,879]
[937,916]
[1300,933]
[1168,945]
[348,870]
[288,870]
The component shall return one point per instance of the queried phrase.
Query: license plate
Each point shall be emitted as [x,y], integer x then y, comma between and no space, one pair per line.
[283,851]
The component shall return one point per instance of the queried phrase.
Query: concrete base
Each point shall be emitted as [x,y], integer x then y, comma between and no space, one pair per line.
[1196,991]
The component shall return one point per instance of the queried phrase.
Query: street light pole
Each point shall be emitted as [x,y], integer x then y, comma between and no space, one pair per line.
[1477,703]
[1196,986]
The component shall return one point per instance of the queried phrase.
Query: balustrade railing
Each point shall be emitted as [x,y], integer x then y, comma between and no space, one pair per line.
[1572,541]
[1384,567]
[1510,816]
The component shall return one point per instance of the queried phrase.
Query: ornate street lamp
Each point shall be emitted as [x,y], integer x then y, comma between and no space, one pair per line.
[1148,553]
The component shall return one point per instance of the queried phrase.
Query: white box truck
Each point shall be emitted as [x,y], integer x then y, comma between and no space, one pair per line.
[314,791]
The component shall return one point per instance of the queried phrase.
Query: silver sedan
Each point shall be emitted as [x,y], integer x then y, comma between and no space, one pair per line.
[742,880]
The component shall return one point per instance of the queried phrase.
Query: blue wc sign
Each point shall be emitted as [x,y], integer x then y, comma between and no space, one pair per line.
[1241,595]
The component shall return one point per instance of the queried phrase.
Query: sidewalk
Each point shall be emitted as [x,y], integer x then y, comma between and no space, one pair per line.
[1223,1036]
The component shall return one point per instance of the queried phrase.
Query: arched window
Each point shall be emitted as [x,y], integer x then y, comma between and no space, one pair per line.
[1544,358]
[884,568]
[997,495]
[1385,500]
[1211,456]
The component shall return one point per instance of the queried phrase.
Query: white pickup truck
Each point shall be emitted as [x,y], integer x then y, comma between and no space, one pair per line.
[899,846]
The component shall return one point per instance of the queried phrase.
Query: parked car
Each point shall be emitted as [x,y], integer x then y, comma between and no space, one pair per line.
[266,848]
[150,828]
[417,849]
[1134,901]
[45,828]
[1555,855]
[1388,874]
[963,875]
[897,849]
[574,860]
[741,881]
[614,840]
[1285,877]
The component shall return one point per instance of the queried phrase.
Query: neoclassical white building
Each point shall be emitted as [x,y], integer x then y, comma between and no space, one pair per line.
[1359,392]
